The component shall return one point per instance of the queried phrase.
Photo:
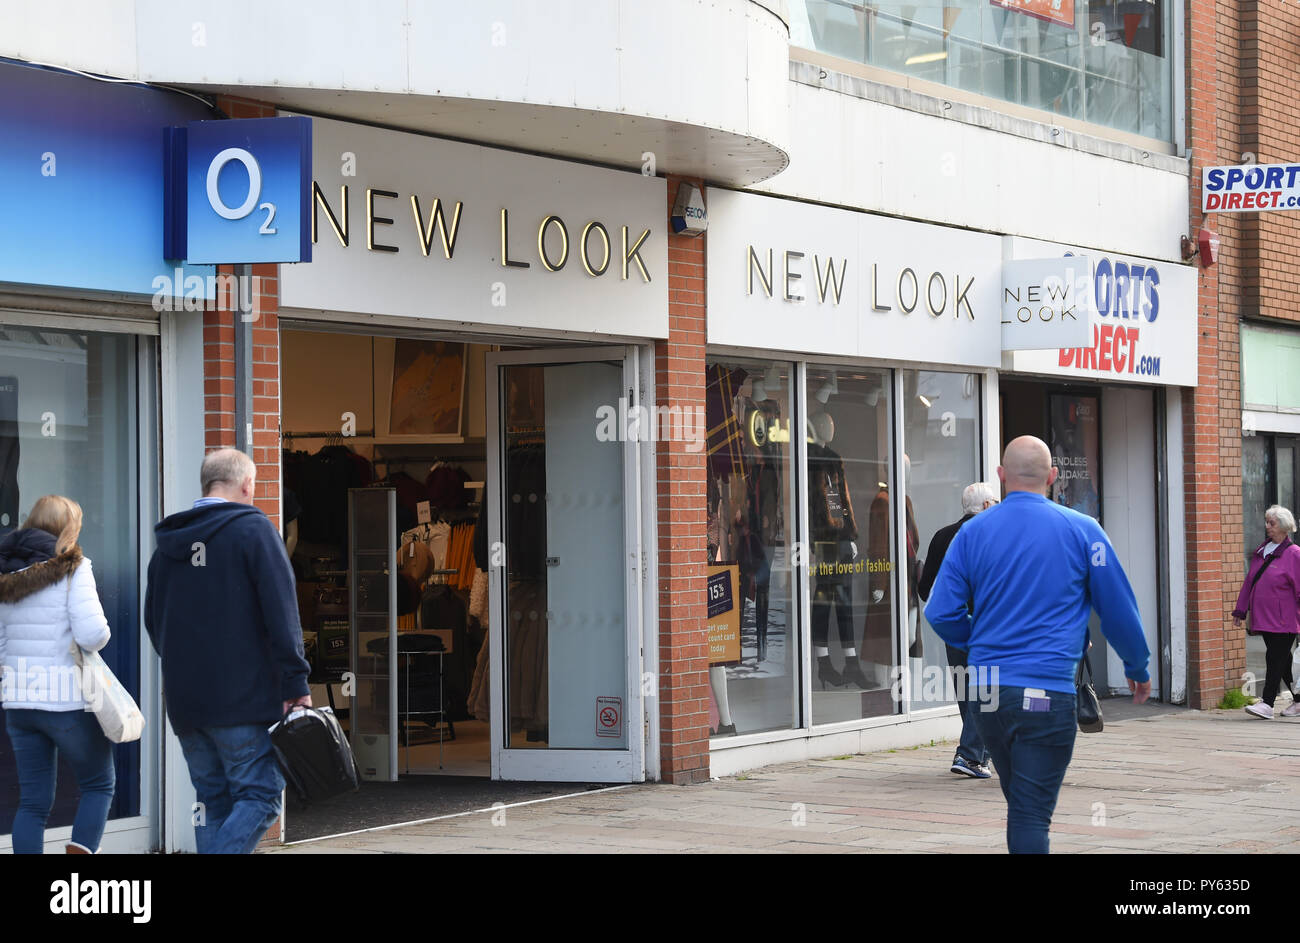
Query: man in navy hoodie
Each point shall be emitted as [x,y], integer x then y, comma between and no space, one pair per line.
[1015,590]
[222,612]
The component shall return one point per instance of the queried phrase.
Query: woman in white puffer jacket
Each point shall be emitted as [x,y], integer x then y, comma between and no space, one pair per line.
[48,605]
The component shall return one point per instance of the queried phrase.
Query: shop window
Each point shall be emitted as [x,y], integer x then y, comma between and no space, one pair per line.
[851,543]
[754,654]
[1106,62]
[1268,477]
[68,426]
[941,438]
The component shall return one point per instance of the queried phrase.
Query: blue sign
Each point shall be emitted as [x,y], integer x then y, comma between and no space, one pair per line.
[239,191]
[81,167]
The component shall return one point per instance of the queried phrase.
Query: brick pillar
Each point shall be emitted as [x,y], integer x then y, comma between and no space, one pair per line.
[683,523]
[219,368]
[1205,417]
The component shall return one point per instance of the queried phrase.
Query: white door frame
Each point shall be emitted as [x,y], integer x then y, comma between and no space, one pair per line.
[569,765]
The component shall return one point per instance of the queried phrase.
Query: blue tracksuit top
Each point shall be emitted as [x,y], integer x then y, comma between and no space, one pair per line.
[1031,570]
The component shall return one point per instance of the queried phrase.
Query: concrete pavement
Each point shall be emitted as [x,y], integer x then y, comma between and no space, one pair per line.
[1156,780]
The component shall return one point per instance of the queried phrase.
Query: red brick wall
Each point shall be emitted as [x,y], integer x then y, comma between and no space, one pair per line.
[683,552]
[1242,94]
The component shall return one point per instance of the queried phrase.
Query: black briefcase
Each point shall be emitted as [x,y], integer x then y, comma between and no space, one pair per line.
[313,754]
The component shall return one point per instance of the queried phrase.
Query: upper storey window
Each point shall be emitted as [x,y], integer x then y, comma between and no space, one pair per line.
[1106,62]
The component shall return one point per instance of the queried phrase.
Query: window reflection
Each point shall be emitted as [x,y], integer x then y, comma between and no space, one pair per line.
[1101,61]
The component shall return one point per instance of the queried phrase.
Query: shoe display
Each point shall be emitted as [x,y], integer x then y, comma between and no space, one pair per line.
[723,730]
[965,767]
[1260,710]
[827,674]
[853,673]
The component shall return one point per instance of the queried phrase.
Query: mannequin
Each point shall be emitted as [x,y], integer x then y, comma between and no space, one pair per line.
[834,533]
[878,641]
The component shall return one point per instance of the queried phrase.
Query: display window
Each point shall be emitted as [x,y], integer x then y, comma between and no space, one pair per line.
[70,425]
[942,432]
[852,555]
[753,638]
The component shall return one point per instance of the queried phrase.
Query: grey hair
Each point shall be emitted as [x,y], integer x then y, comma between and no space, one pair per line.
[1282,517]
[974,496]
[225,466]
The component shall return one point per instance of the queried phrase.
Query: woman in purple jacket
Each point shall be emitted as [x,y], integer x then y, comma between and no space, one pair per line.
[1271,594]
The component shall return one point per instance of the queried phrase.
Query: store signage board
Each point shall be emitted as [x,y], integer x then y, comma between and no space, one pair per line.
[81,183]
[1060,12]
[1142,324]
[1250,188]
[812,279]
[1046,303]
[465,234]
[238,192]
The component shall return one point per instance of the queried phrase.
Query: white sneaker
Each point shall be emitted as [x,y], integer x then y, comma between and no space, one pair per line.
[1293,710]
[1260,710]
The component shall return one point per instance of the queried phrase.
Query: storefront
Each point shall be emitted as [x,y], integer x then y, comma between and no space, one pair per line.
[852,359]
[81,401]
[464,368]
[1111,411]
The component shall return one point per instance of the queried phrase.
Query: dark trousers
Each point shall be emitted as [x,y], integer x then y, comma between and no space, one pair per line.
[835,590]
[1277,663]
[971,745]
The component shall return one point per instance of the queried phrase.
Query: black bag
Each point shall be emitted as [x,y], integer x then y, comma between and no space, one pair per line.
[313,754]
[1087,706]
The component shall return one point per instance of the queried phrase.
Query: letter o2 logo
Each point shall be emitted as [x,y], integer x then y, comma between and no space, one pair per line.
[254,188]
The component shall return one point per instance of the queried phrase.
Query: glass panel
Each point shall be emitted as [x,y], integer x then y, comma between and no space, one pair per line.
[1256,488]
[1031,52]
[941,433]
[1286,476]
[372,526]
[566,634]
[68,408]
[753,640]
[852,544]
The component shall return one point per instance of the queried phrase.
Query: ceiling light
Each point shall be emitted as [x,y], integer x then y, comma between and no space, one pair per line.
[926,57]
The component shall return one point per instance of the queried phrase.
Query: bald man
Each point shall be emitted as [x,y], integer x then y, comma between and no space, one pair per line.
[1030,571]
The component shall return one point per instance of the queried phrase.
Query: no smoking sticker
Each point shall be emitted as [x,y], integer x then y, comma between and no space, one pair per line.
[609,717]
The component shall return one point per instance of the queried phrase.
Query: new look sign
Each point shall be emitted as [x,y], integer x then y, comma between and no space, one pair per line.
[238,192]
[1046,303]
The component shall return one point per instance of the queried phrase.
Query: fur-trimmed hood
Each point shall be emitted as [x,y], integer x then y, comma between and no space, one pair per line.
[28,563]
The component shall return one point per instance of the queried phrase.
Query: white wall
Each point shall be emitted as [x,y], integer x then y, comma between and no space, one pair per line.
[851,151]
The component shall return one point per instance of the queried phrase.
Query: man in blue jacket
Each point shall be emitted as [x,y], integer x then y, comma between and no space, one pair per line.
[222,612]
[1030,571]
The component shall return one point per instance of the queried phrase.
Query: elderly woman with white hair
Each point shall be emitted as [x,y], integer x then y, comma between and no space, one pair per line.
[1271,596]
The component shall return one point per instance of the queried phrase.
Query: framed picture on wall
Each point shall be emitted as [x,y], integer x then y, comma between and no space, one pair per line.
[1074,431]
[428,390]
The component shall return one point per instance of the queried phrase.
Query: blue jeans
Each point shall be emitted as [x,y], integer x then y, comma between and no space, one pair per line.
[971,746]
[238,783]
[1030,750]
[37,737]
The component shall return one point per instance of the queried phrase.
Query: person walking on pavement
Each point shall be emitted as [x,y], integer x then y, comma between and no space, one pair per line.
[1015,590]
[1271,595]
[222,611]
[48,604]
[971,758]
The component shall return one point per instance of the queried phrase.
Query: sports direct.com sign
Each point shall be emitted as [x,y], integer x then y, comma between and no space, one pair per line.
[1250,187]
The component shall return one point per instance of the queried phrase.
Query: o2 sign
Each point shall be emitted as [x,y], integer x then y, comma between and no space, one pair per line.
[238,192]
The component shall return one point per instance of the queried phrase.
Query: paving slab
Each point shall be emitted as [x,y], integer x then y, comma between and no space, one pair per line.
[1158,780]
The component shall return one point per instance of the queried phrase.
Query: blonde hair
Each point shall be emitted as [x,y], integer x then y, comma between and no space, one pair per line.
[59,516]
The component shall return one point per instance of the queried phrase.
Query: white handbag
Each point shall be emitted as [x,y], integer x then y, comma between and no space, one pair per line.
[118,714]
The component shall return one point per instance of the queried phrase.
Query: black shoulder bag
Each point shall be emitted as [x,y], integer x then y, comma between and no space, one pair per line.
[1087,706]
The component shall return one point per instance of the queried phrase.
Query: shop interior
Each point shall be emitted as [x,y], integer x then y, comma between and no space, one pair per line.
[383,439]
